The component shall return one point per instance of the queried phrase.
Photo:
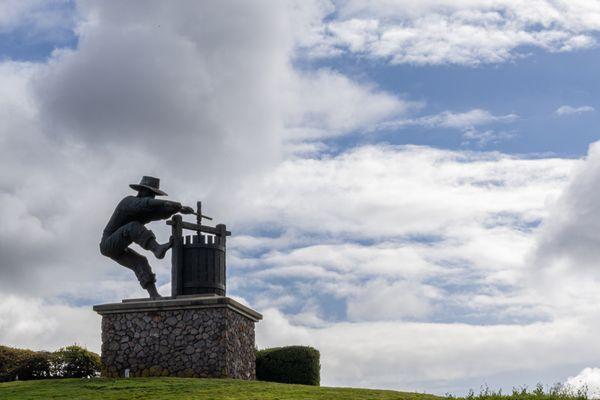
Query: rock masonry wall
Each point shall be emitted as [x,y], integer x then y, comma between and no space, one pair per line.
[208,342]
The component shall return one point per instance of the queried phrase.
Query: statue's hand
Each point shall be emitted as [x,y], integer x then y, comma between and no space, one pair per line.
[187,210]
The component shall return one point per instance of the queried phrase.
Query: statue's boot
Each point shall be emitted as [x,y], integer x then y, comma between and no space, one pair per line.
[159,250]
[139,264]
[151,288]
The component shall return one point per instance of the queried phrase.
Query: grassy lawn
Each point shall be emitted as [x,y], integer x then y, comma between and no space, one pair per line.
[185,389]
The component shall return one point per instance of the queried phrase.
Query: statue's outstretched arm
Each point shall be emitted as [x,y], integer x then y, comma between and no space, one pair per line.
[164,208]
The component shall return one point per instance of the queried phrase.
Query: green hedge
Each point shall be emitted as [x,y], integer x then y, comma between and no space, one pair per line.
[10,361]
[38,366]
[291,364]
[68,362]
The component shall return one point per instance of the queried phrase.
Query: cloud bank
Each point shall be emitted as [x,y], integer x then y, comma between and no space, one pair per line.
[469,32]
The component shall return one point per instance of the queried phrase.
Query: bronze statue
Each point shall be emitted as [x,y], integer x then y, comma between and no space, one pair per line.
[126,226]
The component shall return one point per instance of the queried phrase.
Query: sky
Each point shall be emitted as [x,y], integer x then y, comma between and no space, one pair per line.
[413,186]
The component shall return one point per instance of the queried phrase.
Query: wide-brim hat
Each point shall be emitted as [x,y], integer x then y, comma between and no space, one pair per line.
[149,182]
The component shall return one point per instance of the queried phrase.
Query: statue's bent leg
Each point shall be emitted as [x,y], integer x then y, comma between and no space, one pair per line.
[115,244]
[136,232]
[116,247]
[139,264]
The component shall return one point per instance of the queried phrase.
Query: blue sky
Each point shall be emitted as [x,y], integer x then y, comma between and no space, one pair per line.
[32,34]
[417,180]
[533,87]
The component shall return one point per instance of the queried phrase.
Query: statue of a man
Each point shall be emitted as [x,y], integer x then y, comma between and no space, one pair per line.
[126,226]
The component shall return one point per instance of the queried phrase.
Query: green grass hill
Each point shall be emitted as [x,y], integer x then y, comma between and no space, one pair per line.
[186,389]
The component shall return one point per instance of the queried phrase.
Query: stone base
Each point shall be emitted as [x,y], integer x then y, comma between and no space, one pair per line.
[184,336]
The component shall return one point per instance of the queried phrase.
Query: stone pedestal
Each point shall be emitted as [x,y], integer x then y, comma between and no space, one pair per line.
[187,336]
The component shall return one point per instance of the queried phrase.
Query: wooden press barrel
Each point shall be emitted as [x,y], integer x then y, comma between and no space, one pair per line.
[203,265]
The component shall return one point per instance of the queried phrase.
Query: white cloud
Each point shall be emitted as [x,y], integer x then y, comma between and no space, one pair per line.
[380,184]
[455,227]
[568,110]
[326,103]
[378,300]
[467,122]
[467,32]
[587,380]
[32,323]
[484,137]
[566,251]
[448,119]
[189,72]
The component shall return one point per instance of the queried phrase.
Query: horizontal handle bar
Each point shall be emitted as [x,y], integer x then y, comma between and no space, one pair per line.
[201,228]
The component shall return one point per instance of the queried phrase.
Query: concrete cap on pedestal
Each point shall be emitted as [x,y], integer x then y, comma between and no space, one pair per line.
[177,303]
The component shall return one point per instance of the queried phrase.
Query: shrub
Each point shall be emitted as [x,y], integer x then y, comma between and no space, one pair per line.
[291,364]
[75,362]
[37,366]
[68,362]
[10,361]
